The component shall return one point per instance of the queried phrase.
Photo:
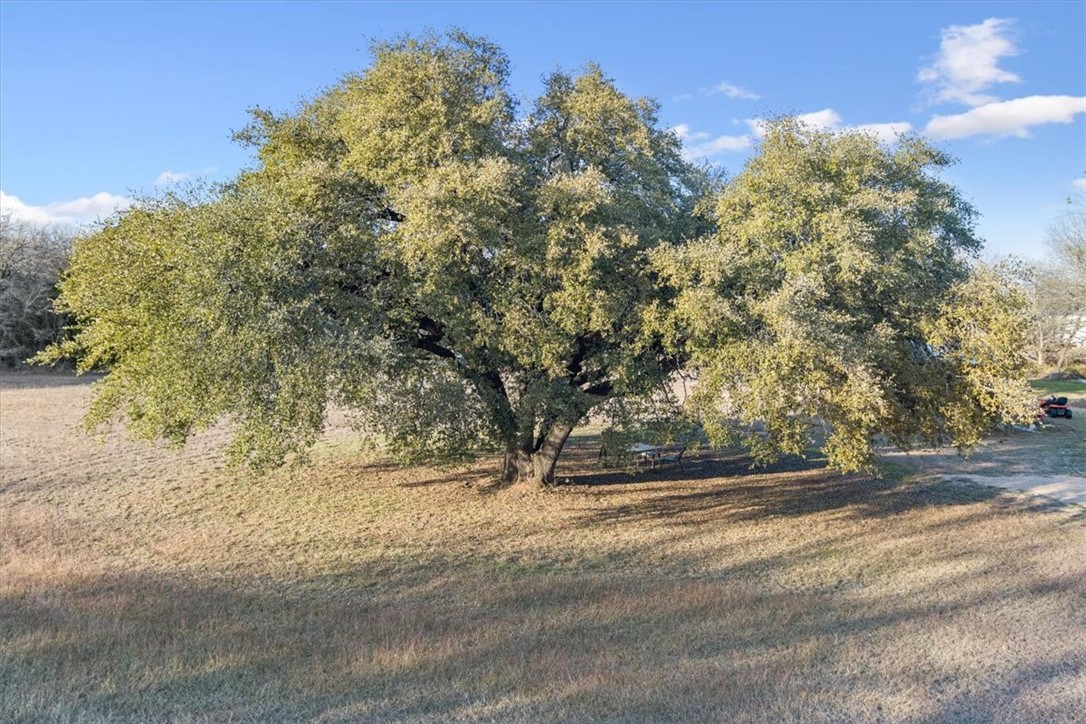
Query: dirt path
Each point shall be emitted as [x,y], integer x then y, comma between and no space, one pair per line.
[1065,488]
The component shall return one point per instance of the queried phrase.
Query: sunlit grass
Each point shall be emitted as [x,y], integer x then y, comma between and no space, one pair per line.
[1059,387]
[137,585]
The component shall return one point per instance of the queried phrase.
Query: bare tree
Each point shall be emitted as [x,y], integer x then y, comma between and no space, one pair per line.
[1057,287]
[31,260]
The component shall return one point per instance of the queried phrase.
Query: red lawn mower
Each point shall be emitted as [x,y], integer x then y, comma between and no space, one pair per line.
[1055,407]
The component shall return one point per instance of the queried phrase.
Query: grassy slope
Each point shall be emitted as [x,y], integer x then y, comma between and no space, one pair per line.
[1069,388]
[139,584]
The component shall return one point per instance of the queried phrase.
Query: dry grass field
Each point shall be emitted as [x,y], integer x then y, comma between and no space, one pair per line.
[142,584]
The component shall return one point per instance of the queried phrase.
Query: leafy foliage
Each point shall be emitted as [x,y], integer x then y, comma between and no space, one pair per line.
[468,278]
[834,301]
[465,278]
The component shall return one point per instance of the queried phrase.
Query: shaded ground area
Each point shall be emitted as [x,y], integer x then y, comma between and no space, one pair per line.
[140,584]
[1049,462]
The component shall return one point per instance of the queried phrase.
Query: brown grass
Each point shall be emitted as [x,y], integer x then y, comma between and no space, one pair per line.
[141,584]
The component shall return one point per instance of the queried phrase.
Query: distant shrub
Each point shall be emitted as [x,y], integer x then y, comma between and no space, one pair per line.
[1071,372]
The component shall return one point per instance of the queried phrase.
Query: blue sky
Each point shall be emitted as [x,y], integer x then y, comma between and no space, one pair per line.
[102,101]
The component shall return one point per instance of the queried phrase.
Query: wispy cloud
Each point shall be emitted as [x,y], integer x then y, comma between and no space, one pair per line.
[1079,184]
[171,177]
[886,132]
[700,145]
[828,119]
[723,88]
[76,211]
[1007,118]
[968,62]
[731,90]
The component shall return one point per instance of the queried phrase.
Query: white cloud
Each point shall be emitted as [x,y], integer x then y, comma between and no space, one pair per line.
[885,132]
[1007,118]
[968,62]
[830,120]
[64,212]
[702,145]
[757,126]
[826,119]
[33,214]
[732,91]
[716,146]
[1079,184]
[171,177]
[685,134]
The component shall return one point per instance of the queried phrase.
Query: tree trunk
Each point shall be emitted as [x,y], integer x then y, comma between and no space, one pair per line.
[1061,358]
[533,462]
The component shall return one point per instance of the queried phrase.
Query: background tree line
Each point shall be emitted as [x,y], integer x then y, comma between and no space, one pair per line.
[32,257]
[1056,287]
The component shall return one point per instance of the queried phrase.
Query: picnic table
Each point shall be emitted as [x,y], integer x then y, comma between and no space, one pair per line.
[647,453]
[653,455]
[656,455]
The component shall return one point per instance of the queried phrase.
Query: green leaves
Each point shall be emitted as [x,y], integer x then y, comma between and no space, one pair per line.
[422,103]
[468,279]
[406,246]
[835,302]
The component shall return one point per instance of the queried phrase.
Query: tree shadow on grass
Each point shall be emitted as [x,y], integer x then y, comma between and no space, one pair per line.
[579,467]
[1078,517]
[582,469]
[137,647]
[471,478]
[29,378]
[725,488]
[417,476]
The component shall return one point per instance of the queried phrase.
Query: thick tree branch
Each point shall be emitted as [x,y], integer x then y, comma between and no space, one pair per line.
[486,380]
[583,345]
[429,334]
[390,214]
[428,344]
[603,388]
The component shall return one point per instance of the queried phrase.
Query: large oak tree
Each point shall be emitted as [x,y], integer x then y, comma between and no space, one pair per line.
[471,278]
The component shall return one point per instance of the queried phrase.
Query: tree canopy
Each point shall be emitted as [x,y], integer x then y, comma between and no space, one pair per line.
[469,277]
[836,300]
